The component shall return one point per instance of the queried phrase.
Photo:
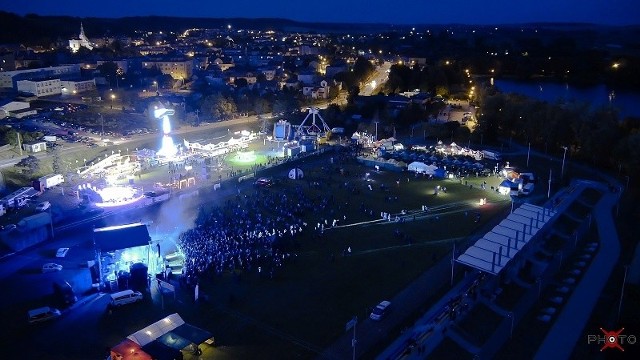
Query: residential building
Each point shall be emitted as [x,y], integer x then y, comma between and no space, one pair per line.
[35,146]
[307,77]
[75,87]
[13,108]
[177,68]
[40,87]
[7,61]
[8,79]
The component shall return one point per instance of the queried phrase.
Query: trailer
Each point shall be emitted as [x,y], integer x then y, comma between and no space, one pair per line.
[50,181]
[50,138]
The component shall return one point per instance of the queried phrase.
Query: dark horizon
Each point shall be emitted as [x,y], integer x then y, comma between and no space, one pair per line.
[499,12]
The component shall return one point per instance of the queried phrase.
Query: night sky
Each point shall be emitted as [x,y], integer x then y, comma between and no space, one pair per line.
[609,12]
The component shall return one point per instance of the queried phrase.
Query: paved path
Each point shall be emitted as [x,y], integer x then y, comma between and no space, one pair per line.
[567,328]
[412,298]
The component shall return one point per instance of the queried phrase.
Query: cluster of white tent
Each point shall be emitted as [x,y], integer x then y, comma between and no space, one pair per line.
[455,149]
[422,168]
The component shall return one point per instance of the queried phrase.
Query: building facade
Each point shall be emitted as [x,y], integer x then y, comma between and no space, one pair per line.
[8,79]
[75,87]
[40,88]
[177,69]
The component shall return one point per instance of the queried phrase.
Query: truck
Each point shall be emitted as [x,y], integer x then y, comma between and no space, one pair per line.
[50,138]
[491,155]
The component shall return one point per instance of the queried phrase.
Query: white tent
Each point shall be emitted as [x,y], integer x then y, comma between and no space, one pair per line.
[155,330]
[296,173]
[422,168]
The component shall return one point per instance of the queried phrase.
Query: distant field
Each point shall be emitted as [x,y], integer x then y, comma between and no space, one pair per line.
[309,300]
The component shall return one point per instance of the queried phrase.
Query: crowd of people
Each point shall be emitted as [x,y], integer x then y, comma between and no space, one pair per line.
[256,232]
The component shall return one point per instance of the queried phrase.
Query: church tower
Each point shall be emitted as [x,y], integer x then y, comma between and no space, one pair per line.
[81,41]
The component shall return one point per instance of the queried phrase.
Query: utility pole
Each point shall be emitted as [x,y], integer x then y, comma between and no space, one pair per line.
[624,280]
[564,156]
[19,142]
[102,121]
[549,191]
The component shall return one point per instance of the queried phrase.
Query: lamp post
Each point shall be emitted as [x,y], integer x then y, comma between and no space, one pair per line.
[102,123]
[549,190]
[528,153]
[156,85]
[564,156]
[624,280]
[376,130]
[113,97]
[511,332]
[627,177]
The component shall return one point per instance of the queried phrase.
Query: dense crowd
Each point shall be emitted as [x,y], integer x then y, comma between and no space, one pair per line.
[256,232]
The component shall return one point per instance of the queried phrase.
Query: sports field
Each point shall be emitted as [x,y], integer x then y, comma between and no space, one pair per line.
[304,307]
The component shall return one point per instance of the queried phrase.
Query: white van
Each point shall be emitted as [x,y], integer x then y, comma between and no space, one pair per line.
[43,314]
[125,297]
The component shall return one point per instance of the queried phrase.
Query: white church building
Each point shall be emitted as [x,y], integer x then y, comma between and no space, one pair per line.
[81,41]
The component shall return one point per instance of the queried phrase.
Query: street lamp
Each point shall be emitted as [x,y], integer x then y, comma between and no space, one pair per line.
[627,177]
[376,130]
[113,97]
[102,132]
[564,156]
[512,320]
[156,85]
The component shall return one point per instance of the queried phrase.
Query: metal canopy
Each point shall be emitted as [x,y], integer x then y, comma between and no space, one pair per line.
[496,248]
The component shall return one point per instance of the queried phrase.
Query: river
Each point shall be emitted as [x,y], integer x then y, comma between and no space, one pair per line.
[626,102]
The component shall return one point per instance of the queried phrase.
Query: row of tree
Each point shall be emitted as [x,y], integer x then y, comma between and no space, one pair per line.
[595,136]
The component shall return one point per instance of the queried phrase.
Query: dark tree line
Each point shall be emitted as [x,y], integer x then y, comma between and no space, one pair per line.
[595,136]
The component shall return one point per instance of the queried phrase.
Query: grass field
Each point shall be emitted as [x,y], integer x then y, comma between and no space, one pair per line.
[305,306]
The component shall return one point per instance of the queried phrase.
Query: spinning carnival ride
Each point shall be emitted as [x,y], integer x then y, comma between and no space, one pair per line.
[314,130]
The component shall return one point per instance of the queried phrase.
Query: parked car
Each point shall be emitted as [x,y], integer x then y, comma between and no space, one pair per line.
[43,206]
[8,227]
[263,182]
[42,314]
[63,293]
[379,311]
[62,252]
[51,267]
[125,297]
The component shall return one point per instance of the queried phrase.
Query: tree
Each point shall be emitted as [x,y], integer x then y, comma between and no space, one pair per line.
[261,106]
[353,92]
[286,103]
[30,165]
[108,70]
[218,107]
[56,163]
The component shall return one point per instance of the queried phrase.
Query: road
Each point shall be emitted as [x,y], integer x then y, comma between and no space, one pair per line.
[74,148]
[373,84]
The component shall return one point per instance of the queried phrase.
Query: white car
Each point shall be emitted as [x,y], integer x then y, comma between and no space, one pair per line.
[380,310]
[42,314]
[125,297]
[62,252]
[43,206]
[51,267]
